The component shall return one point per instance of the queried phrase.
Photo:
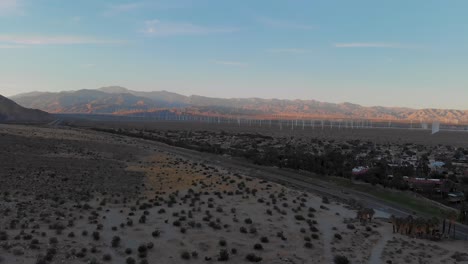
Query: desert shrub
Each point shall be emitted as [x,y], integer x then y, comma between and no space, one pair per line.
[96,235]
[156,233]
[222,243]
[18,251]
[253,258]
[143,254]
[223,255]
[3,236]
[253,230]
[341,260]
[142,248]
[40,260]
[107,257]
[325,200]
[299,217]
[130,260]
[115,241]
[185,255]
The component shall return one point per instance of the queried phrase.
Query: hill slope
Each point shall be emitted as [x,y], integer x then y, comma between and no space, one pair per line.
[12,112]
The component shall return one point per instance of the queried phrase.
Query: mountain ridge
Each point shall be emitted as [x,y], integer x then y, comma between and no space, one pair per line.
[120,100]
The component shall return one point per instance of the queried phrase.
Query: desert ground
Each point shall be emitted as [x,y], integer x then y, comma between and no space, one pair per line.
[70,195]
[377,135]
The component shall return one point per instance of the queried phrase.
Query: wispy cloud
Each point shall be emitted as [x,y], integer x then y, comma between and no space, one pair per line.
[369,45]
[289,50]
[285,24]
[88,65]
[160,28]
[53,40]
[230,63]
[134,6]
[122,8]
[10,7]
[8,85]
[11,46]
[76,19]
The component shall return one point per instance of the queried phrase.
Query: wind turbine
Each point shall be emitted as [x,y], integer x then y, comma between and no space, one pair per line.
[435,127]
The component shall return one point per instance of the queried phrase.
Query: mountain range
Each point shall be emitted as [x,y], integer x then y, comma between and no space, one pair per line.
[121,101]
[12,112]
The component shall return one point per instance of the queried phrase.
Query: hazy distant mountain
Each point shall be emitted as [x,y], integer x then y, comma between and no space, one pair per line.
[119,100]
[163,97]
[11,112]
[87,101]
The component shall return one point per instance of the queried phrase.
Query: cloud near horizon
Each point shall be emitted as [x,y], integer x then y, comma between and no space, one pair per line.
[230,63]
[368,45]
[289,50]
[52,40]
[159,28]
[8,7]
[122,8]
[284,24]
[118,9]
[11,46]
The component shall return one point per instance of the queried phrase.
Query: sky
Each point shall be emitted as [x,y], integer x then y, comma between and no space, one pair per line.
[388,53]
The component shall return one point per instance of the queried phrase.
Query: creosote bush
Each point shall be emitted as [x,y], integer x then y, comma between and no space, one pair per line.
[341,260]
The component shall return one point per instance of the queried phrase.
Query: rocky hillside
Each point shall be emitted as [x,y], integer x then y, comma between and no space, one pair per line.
[12,112]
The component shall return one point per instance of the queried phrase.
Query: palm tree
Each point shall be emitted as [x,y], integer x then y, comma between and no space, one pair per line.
[419,226]
[370,213]
[452,216]
[365,214]
[433,225]
[409,224]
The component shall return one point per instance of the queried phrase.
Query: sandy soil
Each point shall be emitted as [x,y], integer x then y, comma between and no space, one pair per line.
[76,196]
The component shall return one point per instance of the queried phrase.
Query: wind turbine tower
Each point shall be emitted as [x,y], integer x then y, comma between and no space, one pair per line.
[435,127]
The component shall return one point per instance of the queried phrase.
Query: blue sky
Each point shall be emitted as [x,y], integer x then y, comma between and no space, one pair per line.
[390,53]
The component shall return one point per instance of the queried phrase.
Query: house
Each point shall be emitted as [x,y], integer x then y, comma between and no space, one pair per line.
[423,184]
[361,170]
[456,197]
